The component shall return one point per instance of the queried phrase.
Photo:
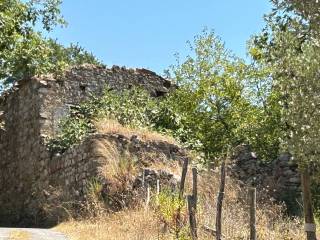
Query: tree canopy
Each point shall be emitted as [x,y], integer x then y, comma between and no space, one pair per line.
[290,48]
[222,100]
[24,51]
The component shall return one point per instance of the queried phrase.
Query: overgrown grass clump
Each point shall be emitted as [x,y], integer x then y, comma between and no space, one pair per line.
[159,220]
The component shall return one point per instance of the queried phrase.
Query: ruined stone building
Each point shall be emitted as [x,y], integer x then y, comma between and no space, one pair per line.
[31,112]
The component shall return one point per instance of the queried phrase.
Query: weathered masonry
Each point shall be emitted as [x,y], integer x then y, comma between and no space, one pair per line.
[31,112]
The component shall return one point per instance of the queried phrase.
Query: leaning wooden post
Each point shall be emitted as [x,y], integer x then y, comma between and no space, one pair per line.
[252,203]
[183,177]
[147,197]
[158,187]
[195,186]
[157,192]
[181,191]
[219,202]
[192,205]
[309,226]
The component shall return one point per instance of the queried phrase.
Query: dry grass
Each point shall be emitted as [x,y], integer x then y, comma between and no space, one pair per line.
[113,162]
[145,224]
[19,235]
[140,224]
[118,166]
[112,126]
[133,225]
[271,221]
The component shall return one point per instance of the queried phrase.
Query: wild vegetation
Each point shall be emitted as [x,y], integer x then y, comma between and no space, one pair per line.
[271,103]
[214,107]
[158,220]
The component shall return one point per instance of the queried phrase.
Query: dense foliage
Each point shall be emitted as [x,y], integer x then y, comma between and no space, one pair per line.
[289,46]
[25,52]
[307,10]
[130,107]
[224,101]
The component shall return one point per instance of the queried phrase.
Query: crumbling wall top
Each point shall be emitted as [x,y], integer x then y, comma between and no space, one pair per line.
[118,77]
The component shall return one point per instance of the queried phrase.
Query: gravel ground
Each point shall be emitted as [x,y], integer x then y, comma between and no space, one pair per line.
[34,233]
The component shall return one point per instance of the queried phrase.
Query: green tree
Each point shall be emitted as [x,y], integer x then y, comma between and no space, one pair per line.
[308,10]
[24,52]
[289,45]
[221,101]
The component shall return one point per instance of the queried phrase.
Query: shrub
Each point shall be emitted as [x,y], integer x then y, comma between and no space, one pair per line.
[171,211]
[129,107]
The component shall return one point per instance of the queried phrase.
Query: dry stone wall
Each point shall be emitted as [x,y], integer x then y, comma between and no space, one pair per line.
[31,111]
[77,84]
[279,179]
[19,148]
[75,168]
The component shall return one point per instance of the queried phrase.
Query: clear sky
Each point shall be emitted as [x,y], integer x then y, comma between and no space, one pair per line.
[147,33]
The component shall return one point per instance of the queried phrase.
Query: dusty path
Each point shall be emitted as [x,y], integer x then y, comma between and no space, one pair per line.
[30,234]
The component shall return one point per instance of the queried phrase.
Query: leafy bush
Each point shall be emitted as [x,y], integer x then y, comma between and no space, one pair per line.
[168,208]
[129,107]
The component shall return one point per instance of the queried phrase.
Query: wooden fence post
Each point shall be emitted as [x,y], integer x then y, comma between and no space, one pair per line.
[143,178]
[148,196]
[158,192]
[195,186]
[181,191]
[192,205]
[219,201]
[252,203]
[158,187]
[310,226]
[192,217]
[183,177]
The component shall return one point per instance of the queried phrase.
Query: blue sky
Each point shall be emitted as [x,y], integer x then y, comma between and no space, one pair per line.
[147,33]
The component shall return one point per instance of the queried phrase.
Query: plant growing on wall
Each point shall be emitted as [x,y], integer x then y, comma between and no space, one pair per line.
[133,108]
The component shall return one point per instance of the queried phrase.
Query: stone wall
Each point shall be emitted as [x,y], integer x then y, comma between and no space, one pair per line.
[77,84]
[279,179]
[77,166]
[31,112]
[19,147]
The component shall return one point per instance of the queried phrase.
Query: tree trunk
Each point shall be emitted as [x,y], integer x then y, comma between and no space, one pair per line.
[219,202]
[309,226]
